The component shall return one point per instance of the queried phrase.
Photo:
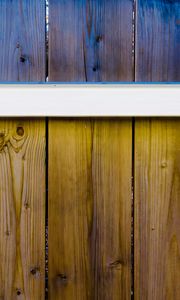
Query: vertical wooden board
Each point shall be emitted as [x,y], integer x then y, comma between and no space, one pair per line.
[89,255]
[157,209]
[89,209]
[22,209]
[90,40]
[157,227]
[157,40]
[22,151]
[22,40]
[92,256]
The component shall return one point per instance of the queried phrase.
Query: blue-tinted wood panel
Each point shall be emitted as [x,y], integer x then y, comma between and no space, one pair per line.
[157,40]
[90,40]
[22,40]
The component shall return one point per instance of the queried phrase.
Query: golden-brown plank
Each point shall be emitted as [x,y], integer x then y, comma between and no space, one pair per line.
[22,209]
[90,161]
[89,209]
[157,209]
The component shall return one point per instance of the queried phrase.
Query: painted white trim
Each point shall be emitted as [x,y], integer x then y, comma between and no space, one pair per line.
[90,100]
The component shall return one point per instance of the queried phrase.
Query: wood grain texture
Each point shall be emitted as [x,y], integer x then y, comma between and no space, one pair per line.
[22,209]
[89,209]
[22,40]
[157,209]
[90,40]
[90,161]
[157,40]
[22,157]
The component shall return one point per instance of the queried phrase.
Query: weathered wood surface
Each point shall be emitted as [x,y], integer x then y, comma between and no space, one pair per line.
[22,157]
[89,209]
[22,40]
[90,40]
[157,209]
[90,162]
[157,40]
[157,143]
[22,209]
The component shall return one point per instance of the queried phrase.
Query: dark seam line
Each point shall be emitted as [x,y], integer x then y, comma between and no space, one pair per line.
[133,160]
[46,153]
[46,215]
[132,208]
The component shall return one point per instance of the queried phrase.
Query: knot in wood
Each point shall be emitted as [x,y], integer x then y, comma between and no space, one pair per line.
[35,271]
[23,59]
[117,264]
[62,277]
[20,131]
[7,232]
[98,38]
[18,292]
[26,205]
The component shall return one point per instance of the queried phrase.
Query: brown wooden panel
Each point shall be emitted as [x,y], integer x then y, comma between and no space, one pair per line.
[90,40]
[22,40]
[22,156]
[157,209]
[157,40]
[90,209]
[22,209]
[90,161]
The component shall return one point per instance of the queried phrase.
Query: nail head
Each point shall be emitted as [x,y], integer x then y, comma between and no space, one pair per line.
[164,164]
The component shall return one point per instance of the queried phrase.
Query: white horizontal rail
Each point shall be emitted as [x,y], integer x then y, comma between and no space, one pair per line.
[90,100]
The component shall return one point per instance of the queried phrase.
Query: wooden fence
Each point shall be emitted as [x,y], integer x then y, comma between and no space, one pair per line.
[108,190]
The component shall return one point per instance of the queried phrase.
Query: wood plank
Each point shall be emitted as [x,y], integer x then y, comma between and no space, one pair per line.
[157,209]
[22,209]
[90,209]
[157,40]
[22,151]
[90,40]
[90,161]
[22,40]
